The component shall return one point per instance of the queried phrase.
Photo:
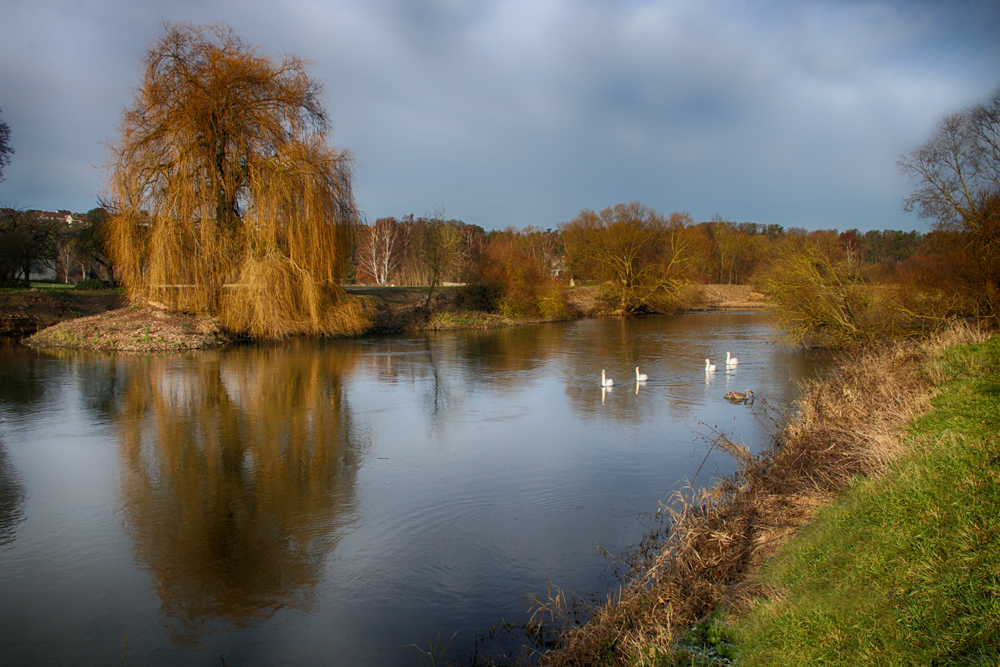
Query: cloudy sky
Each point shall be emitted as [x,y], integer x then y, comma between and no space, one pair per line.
[524,112]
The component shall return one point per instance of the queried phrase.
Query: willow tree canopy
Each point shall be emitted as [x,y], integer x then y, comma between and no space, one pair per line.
[226,197]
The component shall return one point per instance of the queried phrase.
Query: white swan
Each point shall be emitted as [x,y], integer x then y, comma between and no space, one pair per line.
[739,396]
[640,377]
[709,366]
[606,381]
[731,361]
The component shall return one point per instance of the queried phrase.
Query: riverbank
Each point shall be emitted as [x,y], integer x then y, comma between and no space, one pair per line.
[103,321]
[24,312]
[150,328]
[908,561]
[133,329]
[903,547]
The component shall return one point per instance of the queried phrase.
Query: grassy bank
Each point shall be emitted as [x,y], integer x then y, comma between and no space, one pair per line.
[847,439]
[906,568]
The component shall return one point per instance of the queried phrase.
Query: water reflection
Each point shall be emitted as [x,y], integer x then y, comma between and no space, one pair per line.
[11,499]
[672,352]
[22,392]
[450,371]
[238,473]
[22,383]
[217,501]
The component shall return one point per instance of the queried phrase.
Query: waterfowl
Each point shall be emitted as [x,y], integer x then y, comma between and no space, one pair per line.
[606,381]
[739,396]
[731,361]
[640,377]
[709,366]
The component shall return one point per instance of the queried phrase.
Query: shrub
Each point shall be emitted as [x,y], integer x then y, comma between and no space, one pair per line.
[479,296]
[511,281]
[820,303]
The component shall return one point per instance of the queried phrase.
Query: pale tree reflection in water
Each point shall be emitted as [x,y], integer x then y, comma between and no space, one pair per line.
[238,472]
[451,369]
[22,392]
[11,499]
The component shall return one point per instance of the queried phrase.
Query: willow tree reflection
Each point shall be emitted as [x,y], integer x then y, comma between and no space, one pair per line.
[238,472]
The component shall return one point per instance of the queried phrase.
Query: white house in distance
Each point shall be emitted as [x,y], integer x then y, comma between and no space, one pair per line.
[65,216]
[64,266]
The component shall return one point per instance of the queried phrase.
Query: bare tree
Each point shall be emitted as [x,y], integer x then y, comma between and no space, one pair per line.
[90,243]
[437,244]
[65,255]
[226,198]
[543,246]
[28,243]
[379,249]
[957,171]
[635,249]
[6,150]
[957,183]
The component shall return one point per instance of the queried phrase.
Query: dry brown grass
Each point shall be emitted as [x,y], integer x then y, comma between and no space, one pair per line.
[846,425]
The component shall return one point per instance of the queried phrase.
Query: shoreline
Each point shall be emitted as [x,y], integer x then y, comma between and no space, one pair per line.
[105,322]
[687,584]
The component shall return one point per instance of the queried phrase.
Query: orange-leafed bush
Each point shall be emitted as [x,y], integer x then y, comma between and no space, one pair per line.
[514,278]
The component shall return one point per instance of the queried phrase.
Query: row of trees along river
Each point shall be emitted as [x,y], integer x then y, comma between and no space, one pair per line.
[224,197]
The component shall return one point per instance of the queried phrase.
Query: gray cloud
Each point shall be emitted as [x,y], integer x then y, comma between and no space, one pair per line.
[523,112]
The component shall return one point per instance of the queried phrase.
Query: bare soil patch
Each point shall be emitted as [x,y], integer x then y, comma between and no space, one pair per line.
[586,299]
[732,297]
[133,329]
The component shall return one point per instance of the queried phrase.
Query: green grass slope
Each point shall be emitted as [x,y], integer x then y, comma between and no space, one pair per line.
[905,570]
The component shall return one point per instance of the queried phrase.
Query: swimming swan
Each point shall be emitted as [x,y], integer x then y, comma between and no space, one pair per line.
[606,381]
[731,361]
[739,396]
[709,366]
[640,377]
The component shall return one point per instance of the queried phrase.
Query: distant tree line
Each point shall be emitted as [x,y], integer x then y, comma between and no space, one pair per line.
[36,243]
[645,257]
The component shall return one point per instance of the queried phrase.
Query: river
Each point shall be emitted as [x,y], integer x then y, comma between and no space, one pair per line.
[345,502]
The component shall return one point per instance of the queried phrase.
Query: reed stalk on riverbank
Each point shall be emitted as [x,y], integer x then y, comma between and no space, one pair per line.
[848,425]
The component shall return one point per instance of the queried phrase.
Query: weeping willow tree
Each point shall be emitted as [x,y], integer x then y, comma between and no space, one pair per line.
[226,198]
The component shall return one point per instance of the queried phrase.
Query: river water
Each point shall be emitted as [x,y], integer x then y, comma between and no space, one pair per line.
[345,502]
